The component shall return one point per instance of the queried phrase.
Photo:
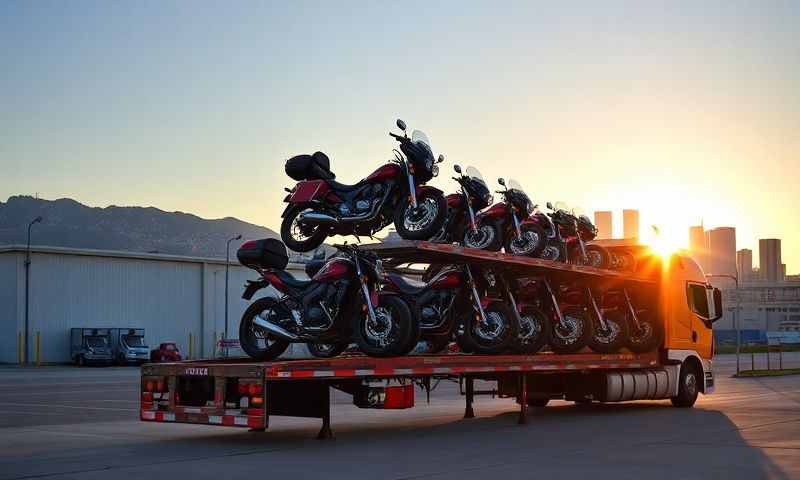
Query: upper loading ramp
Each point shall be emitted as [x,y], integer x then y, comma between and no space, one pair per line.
[410,251]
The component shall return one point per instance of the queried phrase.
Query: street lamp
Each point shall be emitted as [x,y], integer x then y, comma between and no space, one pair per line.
[227,267]
[28,285]
[735,278]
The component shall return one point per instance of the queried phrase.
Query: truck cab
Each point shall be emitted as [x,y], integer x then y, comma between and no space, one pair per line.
[129,346]
[91,346]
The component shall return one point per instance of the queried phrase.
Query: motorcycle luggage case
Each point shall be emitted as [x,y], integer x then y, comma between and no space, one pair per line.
[309,167]
[266,253]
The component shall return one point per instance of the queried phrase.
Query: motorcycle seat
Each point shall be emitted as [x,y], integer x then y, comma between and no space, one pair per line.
[290,280]
[406,285]
[341,187]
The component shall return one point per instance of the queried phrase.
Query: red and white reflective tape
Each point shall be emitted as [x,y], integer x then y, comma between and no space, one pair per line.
[250,421]
[396,372]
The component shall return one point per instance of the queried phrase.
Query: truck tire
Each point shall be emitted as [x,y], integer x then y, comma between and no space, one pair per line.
[688,386]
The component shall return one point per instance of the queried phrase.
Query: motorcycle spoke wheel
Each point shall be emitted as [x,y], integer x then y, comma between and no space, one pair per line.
[526,244]
[420,218]
[481,238]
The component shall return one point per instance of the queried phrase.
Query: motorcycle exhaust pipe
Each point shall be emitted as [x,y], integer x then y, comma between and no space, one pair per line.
[276,329]
[315,218]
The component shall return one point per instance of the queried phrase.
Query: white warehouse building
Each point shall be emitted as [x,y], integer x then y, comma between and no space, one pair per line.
[172,297]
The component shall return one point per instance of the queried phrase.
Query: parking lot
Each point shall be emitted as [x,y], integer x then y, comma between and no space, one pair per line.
[65,422]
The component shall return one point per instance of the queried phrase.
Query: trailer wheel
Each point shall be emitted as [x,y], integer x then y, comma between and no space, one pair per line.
[688,386]
[574,335]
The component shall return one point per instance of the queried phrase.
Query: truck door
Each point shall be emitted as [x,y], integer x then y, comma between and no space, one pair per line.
[680,316]
[700,299]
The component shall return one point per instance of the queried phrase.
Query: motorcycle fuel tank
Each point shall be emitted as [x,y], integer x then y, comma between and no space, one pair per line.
[449,280]
[454,200]
[335,269]
[390,170]
[496,210]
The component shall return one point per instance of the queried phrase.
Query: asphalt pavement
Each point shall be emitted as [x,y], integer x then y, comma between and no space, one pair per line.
[66,422]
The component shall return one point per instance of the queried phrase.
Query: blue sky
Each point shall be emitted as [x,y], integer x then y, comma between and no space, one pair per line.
[686,110]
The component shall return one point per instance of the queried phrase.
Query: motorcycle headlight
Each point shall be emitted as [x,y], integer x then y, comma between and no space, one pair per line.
[435,170]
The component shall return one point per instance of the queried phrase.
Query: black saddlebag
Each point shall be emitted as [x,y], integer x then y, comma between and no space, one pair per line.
[310,167]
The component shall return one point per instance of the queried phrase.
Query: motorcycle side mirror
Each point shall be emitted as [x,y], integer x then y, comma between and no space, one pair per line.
[501,181]
[549,205]
[401,125]
[457,168]
[441,158]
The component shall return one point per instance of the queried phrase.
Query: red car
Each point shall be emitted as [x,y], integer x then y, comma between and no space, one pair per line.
[166,352]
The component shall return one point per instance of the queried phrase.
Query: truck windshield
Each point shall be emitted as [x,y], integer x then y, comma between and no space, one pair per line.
[134,340]
[96,341]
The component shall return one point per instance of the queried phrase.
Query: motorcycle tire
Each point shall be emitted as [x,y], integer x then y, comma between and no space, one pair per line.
[392,332]
[487,237]
[477,340]
[327,350]
[623,261]
[536,240]
[598,257]
[311,242]
[578,332]
[534,331]
[614,338]
[249,339]
[437,344]
[431,206]
[645,338]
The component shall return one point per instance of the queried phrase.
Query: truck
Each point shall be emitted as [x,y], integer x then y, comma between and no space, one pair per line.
[128,346]
[91,346]
[245,393]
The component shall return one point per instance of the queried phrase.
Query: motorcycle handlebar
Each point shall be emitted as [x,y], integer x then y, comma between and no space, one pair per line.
[397,137]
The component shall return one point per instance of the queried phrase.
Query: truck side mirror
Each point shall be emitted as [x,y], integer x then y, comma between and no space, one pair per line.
[716,301]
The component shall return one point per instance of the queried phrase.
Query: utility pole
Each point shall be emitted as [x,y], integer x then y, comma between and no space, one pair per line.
[28,287]
[227,268]
[735,278]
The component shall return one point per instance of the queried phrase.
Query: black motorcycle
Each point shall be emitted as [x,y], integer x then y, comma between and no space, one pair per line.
[341,303]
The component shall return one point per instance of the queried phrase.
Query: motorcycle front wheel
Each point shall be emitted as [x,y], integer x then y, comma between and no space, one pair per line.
[534,330]
[391,333]
[496,335]
[487,237]
[298,237]
[574,334]
[647,336]
[257,343]
[423,222]
[612,338]
[530,243]
[597,257]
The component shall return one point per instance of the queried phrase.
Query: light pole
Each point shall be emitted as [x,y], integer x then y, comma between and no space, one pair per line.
[735,278]
[28,286]
[227,267]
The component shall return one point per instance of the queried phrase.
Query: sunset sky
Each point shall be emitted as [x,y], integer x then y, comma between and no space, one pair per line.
[684,110]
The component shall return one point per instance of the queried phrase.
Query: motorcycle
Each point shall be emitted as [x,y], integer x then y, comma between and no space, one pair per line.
[643,332]
[566,236]
[461,207]
[534,325]
[507,224]
[341,302]
[319,207]
[450,303]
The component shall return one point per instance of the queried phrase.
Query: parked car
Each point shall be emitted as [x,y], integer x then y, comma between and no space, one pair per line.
[166,352]
[90,346]
[128,345]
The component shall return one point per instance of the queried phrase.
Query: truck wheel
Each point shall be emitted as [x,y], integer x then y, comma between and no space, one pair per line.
[538,402]
[255,342]
[688,386]
[645,338]
[574,335]
[614,337]
[497,335]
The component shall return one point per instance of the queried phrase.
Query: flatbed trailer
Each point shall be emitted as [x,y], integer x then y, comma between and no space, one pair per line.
[245,393]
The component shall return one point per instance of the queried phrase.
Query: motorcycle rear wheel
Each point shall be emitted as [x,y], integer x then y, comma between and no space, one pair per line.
[294,238]
[251,335]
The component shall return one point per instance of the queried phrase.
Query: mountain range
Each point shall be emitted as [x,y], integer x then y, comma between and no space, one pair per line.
[68,223]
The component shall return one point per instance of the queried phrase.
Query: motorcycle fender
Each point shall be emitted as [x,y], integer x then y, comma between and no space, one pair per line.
[252,287]
[374,298]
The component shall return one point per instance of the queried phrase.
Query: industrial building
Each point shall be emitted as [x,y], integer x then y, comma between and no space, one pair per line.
[174,298]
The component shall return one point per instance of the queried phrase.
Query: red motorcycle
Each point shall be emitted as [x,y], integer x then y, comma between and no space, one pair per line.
[566,235]
[319,206]
[508,224]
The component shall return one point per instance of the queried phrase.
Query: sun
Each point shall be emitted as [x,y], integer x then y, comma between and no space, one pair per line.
[664,242]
